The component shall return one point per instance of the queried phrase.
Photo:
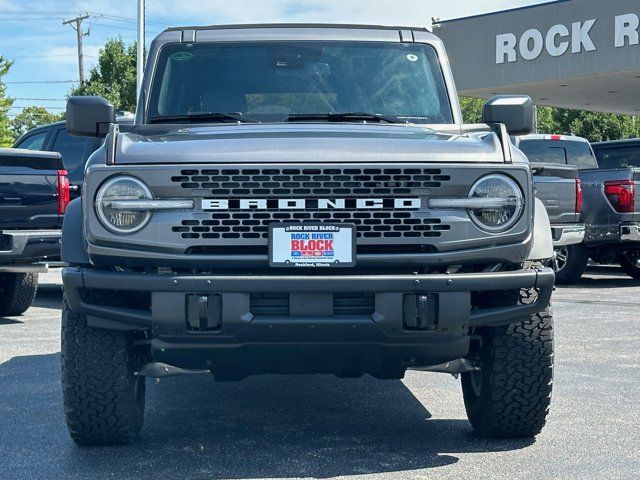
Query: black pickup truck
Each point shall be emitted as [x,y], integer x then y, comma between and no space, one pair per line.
[74,150]
[614,235]
[34,194]
[555,163]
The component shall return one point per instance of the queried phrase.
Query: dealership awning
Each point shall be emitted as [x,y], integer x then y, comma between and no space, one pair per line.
[582,54]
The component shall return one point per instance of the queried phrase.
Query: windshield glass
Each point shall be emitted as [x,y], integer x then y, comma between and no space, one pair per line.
[271,81]
[618,157]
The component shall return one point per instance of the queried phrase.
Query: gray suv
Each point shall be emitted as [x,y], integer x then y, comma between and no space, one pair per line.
[304,199]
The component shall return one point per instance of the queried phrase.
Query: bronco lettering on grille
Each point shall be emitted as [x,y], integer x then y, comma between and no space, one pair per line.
[312,204]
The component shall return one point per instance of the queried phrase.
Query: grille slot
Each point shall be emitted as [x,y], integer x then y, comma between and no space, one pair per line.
[344,304]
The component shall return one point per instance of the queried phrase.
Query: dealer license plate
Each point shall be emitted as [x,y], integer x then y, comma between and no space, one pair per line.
[312,245]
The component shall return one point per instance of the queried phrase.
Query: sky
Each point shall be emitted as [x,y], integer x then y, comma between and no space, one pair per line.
[44,50]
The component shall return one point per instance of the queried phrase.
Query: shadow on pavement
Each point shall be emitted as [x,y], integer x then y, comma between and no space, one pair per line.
[49,296]
[604,276]
[268,426]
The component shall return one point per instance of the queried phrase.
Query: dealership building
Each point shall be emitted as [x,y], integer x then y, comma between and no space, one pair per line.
[582,54]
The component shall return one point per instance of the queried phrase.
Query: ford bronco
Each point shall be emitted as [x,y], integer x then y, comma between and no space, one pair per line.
[304,199]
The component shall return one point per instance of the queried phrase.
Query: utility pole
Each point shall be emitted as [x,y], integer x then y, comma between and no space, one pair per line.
[78,28]
[140,54]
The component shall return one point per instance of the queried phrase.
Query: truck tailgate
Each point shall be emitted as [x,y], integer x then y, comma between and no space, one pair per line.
[555,186]
[599,214]
[29,189]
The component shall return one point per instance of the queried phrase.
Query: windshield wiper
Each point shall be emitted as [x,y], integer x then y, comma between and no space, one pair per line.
[345,117]
[204,117]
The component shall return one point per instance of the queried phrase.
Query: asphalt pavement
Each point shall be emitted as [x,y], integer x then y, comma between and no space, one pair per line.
[323,427]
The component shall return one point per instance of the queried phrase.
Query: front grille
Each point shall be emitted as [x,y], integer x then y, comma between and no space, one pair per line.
[312,183]
[344,304]
[278,182]
[236,225]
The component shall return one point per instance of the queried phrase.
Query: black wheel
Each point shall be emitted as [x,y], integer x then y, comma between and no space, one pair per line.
[103,398]
[569,263]
[509,396]
[630,263]
[17,292]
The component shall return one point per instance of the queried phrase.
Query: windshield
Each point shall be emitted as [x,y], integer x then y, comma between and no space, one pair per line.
[271,81]
[618,157]
[562,152]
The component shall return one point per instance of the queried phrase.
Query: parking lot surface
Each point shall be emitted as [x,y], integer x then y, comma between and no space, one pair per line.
[318,426]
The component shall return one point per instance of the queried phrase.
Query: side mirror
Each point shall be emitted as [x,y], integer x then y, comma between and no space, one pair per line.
[514,111]
[89,116]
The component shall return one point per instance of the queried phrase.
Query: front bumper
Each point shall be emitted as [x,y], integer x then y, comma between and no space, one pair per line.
[308,337]
[564,235]
[20,248]
[630,232]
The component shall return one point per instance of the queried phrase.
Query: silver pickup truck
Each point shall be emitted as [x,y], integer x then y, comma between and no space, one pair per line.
[556,162]
[304,199]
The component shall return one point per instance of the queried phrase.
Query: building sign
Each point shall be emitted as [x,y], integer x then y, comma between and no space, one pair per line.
[560,39]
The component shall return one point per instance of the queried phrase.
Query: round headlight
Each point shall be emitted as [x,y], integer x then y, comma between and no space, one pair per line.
[112,215]
[504,203]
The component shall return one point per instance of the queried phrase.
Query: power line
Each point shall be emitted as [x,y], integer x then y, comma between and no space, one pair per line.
[61,55]
[23,82]
[27,99]
[22,107]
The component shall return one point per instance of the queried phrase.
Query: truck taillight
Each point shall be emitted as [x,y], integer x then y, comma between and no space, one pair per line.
[578,196]
[621,195]
[63,192]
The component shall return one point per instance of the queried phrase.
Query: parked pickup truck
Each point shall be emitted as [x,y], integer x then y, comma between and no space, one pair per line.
[74,150]
[34,193]
[614,218]
[555,160]
[304,199]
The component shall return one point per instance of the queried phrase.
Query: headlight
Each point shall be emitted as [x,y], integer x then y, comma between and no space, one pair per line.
[504,203]
[122,220]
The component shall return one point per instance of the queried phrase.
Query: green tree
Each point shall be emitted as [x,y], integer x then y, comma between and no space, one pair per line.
[594,126]
[6,136]
[471,109]
[114,77]
[32,117]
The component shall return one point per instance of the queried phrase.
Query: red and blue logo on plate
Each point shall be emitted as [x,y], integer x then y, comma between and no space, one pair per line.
[306,245]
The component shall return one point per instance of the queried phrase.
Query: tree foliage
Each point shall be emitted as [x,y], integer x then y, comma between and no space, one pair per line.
[6,136]
[593,126]
[114,77]
[32,117]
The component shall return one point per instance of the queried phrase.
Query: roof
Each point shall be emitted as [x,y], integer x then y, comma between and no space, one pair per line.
[294,25]
[499,12]
[618,143]
[545,136]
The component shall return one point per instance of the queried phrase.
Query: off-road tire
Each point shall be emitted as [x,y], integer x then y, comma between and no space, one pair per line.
[17,293]
[103,398]
[574,266]
[510,396]
[630,264]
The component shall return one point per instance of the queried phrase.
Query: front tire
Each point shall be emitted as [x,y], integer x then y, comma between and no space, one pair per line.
[570,263]
[630,263]
[509,396]
[103,397]
[17,293]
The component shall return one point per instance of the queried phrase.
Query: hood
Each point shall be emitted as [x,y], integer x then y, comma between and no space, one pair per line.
[301,143]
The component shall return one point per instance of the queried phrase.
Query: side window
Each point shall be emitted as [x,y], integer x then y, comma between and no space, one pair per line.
[34,142]
[71,148]
[580,155]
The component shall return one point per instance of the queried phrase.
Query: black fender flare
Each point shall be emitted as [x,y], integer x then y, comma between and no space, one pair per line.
[74,248]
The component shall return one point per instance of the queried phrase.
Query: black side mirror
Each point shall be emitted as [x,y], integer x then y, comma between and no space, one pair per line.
[514,111]
[89,116]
